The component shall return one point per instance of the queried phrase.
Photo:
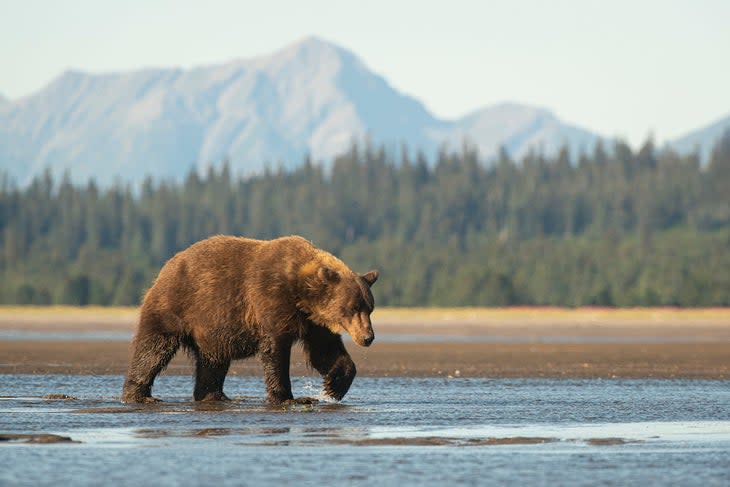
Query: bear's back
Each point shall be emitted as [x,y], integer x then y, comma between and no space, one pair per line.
[219,267]
[216,255]
[224,271]
[201,275]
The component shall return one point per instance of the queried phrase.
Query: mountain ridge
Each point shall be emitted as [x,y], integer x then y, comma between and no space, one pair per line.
[702,139]
[310,98]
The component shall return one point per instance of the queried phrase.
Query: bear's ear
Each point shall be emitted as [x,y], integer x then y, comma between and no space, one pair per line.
[327,274]
[370,277]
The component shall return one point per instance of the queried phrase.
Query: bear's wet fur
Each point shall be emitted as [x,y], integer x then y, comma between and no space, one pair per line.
[226,298]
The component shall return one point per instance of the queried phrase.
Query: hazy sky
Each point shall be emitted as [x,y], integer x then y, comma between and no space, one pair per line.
[621,68]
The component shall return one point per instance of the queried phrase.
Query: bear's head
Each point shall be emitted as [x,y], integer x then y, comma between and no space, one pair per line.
[339,299]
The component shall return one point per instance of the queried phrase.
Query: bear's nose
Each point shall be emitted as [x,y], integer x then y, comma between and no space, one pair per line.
[369,339]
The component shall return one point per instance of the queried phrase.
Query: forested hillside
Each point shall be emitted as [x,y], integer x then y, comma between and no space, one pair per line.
[613,228]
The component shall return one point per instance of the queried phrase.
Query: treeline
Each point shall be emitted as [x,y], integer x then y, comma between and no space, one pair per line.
[614,228]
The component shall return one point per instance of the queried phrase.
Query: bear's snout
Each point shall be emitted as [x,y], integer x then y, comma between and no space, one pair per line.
[364,339]
[361,330]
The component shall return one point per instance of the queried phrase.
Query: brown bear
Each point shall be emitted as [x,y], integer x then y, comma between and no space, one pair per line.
[227,298]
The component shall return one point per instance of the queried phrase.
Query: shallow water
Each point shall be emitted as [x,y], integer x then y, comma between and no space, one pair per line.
[388,431]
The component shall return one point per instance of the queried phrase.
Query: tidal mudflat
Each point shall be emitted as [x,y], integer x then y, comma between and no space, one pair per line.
[492,343]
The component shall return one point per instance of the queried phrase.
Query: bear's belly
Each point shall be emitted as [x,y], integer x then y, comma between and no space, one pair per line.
[243,348]
[226,342]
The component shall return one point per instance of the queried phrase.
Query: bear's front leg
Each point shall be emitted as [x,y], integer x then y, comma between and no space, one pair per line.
[329,357]
[339,377]
[275,357]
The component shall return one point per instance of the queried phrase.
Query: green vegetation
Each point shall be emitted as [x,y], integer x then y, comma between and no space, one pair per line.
[615,228]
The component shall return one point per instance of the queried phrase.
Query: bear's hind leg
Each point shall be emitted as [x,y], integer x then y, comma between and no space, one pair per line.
[209,380]
[151,352]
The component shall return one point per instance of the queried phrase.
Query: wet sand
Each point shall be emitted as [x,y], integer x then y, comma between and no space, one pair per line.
[520,342]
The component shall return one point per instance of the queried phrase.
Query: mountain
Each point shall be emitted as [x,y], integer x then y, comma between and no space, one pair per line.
[519,128]
[702,140]
[312,97]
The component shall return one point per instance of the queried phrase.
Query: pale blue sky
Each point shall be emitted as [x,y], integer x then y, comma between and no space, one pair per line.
[621,68]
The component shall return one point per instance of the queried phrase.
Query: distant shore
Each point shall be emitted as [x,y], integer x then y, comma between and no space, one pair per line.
[461,342]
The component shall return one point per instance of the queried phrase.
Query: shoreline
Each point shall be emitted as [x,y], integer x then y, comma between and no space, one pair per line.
[523,343]
[702,360]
